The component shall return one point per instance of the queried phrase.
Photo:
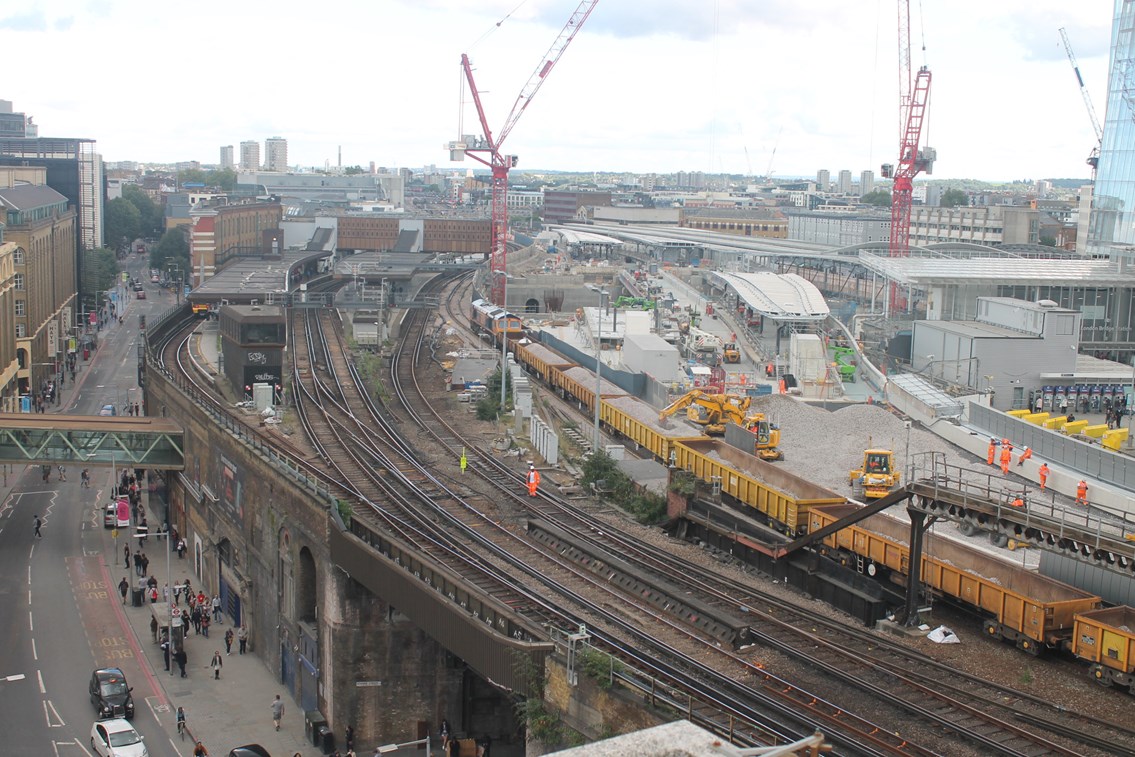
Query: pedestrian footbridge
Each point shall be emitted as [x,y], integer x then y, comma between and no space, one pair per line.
[91,441]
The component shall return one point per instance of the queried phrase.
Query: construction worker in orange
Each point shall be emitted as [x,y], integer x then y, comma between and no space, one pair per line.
[533,480]
[1018,502]
[1082,492]
[1024,456]
[1042,473]
[1006,458]
[992,454]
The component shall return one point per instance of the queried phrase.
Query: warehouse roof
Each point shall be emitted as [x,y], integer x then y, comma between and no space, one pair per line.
[923,271]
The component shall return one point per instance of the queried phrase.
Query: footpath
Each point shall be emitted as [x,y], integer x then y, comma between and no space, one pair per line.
[222,714]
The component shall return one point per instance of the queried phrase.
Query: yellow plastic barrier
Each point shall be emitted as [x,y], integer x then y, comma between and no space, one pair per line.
[1114,439]
[1055,424]
[1019,413]
[1095,431]
[1037,418]
[1075,427]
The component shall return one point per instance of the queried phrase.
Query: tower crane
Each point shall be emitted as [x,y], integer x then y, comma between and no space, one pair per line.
[913,160]
[1094,157]
[486,149]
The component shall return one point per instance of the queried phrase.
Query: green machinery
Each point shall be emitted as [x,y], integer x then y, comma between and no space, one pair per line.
[845,363]
[635,303]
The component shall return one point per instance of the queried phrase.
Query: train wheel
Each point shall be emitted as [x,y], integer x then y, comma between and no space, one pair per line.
[992,629]
[872,569]
[998,540]
[1099,675]
[967,529]
[1029,646]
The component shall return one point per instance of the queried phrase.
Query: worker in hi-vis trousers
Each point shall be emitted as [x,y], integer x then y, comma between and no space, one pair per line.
[1042,473]
[533,480]
[991,455]
[1082,493]
[1006,458]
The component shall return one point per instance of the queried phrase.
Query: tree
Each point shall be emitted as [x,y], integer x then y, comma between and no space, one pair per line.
[99,273]
[151,221]
[122,222]
[192,176]
[879,197]
[223,179]
[954,198]
[172,248]
[1048,240]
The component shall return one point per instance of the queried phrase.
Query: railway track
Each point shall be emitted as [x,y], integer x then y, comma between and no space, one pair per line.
[983,713]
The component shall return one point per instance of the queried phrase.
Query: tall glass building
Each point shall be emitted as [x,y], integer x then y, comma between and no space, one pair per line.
[1111,229]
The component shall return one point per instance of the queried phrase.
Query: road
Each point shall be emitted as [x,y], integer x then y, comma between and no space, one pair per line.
[60,616]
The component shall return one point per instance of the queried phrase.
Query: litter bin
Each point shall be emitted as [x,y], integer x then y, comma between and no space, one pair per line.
[326,741]
[312,723]
[137,597]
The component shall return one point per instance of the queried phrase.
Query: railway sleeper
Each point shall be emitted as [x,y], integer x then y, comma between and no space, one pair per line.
[652,590]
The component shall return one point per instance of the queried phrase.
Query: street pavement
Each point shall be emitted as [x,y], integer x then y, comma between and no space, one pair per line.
[225,713]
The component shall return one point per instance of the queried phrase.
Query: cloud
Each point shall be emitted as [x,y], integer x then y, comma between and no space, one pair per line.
[26,22]
[63,24]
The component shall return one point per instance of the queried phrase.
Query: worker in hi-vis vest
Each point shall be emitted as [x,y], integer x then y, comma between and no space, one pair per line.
[533,480]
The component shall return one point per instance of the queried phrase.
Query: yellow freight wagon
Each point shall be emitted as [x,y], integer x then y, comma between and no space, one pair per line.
[1029,609]
[781,497]
[1105,639]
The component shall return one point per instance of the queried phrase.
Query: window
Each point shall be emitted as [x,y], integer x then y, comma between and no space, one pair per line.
[21,330]
[18,281]
[21,308]
[18,256]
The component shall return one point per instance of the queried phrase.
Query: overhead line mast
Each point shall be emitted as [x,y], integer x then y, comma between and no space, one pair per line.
[490,148]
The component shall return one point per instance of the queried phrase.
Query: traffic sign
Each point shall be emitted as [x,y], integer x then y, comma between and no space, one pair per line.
[114,533]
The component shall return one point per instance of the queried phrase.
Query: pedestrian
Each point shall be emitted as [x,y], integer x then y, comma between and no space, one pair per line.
[176,594]
[1006,458]
[126,554]
[229,641]
[533,480]
[165,594]
[242,637]
[1082,493]
[145,564]
[216,665]
[201,601]
[277,711]
[205,622]
[349,738]
[217,608]
[165,652]
[1024,456]
[62,472]
[124,588]
[1064,404]
[200,750]
[444,732]
[181,549]
[153,595]
[1042,473]
[38,523]
[195,617]
[154,627]
[181,658]
[1018,501]
[85,478]
[991,454]
[138,563]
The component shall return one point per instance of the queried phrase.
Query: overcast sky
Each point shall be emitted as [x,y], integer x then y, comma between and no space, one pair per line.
[647,85]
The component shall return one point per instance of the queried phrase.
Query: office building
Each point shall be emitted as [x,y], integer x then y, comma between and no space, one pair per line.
[1111,228]
[227,160]
[844,182]
[866,183]
[823,180]
[276,154]
[250,155]
[14,124]
[74,169]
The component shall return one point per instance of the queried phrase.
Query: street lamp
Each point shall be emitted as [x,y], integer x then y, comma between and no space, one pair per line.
[603,295]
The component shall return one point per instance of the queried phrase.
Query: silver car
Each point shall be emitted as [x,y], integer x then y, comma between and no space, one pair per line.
[115,737]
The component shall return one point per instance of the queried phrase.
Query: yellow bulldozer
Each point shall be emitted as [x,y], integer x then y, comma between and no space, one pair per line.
[731,353]
[713,411]
[878,475]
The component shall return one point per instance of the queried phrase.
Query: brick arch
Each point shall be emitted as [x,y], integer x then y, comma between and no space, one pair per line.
[306,583]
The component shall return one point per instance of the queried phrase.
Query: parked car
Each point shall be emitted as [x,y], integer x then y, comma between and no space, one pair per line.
[117,738]
[249,750]
[109,693]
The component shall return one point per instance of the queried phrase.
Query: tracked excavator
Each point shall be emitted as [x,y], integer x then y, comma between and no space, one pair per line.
[713,411]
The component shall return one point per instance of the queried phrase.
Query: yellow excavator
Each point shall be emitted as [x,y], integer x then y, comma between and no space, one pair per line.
[713,411]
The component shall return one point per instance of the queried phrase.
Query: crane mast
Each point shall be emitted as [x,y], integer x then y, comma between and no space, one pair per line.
[487,150]
[914,95]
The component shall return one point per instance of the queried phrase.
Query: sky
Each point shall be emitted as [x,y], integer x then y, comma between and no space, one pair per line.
[736,86]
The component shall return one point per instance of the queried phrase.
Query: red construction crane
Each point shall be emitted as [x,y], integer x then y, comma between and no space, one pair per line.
[500,163]
[912,159]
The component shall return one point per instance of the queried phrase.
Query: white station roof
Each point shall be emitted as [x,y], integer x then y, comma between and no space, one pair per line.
[574,236]
[783,297]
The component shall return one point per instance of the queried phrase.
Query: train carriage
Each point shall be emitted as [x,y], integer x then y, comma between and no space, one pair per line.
[495,321]
[579,383]
[780,497]
[1105,639]
[1026,608]
[637,421]
[541,360]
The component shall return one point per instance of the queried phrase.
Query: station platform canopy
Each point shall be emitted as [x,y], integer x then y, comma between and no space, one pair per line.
[928,268]
[573,236]
[252,278]
[129,442]
[779,297]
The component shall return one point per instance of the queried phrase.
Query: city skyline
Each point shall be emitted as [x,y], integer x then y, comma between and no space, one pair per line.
[729,87]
